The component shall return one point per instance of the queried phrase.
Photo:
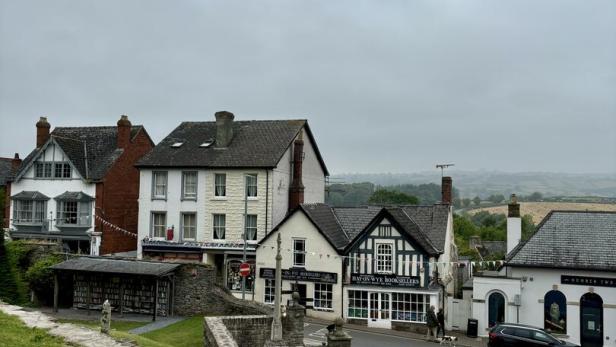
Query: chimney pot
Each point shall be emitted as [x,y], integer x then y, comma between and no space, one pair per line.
[514,224]
[446,188]
[513,209]
[42,132]
[224,128]
[124,128]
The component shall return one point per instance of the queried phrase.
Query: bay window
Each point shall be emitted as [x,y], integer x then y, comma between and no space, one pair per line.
[74,209]
[29,211]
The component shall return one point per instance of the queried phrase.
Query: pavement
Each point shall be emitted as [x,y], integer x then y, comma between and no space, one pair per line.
[314,333]
[73,334]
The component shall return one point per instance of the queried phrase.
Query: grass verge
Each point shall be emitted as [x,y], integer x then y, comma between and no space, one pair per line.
[14,332]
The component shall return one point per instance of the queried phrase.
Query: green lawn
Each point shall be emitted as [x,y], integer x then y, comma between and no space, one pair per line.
[187,333]
[14,332]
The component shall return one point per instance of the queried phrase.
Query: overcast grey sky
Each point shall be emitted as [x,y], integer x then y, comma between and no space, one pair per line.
[387,86]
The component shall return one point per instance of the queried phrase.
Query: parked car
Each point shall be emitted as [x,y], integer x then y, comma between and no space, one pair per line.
[519,335]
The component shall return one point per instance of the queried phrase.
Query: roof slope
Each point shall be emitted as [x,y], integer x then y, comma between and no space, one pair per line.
[342,225]
[92,150]
[6,170]
[570,239]
[116,266]
[257,143]
[432,220]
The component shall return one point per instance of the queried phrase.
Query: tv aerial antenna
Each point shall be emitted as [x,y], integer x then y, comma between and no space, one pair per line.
[443,167]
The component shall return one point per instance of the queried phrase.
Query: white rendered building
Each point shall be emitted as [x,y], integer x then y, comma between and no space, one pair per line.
[197,182]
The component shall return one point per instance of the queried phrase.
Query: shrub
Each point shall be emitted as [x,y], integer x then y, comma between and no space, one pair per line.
[40,277]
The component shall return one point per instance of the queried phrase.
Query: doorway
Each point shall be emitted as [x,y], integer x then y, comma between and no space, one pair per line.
[379,305]
[496,309]
[591,320]
[300,288]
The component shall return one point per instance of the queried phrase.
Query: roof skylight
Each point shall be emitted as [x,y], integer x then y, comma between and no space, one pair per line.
[206,144]
[177,144]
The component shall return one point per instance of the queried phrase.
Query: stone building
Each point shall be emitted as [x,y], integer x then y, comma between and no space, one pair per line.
[76,183]
[197,182]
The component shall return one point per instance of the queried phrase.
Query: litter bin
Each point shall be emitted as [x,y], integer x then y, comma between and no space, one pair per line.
[471,328]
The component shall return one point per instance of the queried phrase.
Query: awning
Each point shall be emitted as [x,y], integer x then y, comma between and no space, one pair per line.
[30,195]
[74,196]
[117,266]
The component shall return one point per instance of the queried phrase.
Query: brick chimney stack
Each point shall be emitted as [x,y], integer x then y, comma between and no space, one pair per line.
[446,187]
[15,163]
[296,190]
[514,224]
[42,132]
[124,128]
[224,128]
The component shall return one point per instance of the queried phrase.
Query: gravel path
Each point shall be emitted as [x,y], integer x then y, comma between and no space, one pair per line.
[70,332]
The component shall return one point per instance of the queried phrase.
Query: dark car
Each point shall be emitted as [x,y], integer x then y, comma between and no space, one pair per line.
[518,335]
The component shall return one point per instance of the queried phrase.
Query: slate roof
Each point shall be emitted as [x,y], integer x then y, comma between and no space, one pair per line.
[5,170]
[74,196]
[92,150]
[29,195]
[432,220]
[342,225]
[117,266]
[255,144]
[571,240]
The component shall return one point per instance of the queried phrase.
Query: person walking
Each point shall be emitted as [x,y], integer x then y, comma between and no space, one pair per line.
[440,316]
[432,324]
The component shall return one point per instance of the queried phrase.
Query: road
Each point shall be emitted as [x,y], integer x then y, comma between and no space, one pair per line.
[315,334]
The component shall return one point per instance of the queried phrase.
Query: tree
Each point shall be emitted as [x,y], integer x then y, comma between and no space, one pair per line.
[528,227]
[536,196]
[496,198]
[466,202]
[389,197]
[476,201]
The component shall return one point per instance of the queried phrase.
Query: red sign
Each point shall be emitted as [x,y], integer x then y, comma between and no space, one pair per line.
[245,269]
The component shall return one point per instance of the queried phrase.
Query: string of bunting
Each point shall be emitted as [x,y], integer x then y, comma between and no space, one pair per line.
[365,260]
[115,227]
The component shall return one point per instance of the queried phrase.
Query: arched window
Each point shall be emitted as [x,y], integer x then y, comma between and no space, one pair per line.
[555,312]
[496,309]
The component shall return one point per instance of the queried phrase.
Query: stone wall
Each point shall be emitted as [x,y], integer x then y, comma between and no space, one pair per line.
[197,293]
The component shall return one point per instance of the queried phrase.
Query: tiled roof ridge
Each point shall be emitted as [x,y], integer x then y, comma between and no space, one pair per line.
[94,127]
[247,121]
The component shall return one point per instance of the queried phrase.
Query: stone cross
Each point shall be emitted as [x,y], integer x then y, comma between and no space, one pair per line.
[106,317]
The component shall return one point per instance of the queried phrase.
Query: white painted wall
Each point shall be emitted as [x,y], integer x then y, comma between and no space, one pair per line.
[544,280]
[281,181]
[299,226]
[313,175]
[483,287]
[52,187]
[514,232]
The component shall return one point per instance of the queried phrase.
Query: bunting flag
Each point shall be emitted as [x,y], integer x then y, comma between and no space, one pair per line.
[114,227]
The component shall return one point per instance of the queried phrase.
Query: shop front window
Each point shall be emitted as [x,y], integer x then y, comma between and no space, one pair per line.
[358,304]
[555,312]
[409,307]
[234,279]
[270,291]
[323,296]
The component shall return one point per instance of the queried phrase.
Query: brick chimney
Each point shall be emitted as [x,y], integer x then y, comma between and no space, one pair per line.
[42,132]
[296,190]
[446,190]
[224,128]
[124,128]
[514,224]
[15,163]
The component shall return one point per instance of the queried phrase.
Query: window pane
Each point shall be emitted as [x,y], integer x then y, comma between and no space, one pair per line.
[160,185]
[251,227]
[251,185]
[299,248]
[189,180]
[270,292]
[159,224]
[323,296]
[219,226]
[220,185]
[189,226]
[384,258]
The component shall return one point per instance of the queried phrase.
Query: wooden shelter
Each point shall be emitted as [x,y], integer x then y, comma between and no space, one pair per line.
[129,285]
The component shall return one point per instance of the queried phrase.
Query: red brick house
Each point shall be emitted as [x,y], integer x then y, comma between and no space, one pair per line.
[79,186]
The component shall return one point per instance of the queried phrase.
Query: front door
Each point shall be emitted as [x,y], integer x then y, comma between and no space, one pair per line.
[300,288]
[379,308]
[591,320]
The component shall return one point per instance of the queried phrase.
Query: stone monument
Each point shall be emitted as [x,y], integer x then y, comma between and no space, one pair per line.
[106,317]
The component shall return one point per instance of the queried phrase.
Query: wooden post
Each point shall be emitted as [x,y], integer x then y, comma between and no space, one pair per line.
[155,300]
[56,290]
[121,298]
[89,294]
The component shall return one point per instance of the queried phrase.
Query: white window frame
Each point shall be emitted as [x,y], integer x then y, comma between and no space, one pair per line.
[65,170]
[156,185]
[323,296]
[297,253]
[383,264]
[220,185]
[417,304]
[190,195]
[217,226]
[153,224]
[384,230]
[250,226]
[35,214]
[46,169]
[358,303]
[183,226]
[83,213]
[251,186]
[269,292]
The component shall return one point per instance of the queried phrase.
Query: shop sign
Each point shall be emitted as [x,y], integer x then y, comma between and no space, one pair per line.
[385,280]
[588,281]
[300,275]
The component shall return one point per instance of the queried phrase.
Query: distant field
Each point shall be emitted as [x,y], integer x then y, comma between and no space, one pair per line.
[540,209]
